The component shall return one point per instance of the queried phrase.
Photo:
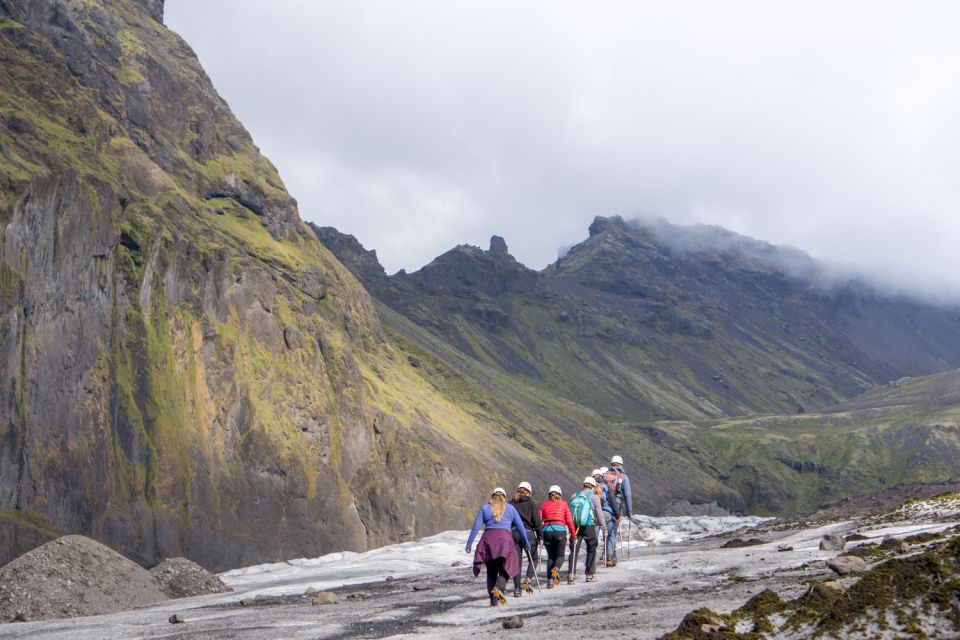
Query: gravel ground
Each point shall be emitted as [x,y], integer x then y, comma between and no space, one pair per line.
[642,598]
[73,576]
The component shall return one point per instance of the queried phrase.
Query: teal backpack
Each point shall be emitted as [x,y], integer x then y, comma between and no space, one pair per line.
[582,510]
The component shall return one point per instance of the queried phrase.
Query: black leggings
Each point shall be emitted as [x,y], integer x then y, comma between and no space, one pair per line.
[496,575]
[534,552]
[555,542]
[588,535]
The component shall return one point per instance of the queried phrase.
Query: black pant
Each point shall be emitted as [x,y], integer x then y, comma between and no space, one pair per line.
[588,535]
[555,542]
[534,553]
[496,575]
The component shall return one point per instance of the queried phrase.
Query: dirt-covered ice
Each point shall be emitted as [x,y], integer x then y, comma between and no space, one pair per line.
[644,597]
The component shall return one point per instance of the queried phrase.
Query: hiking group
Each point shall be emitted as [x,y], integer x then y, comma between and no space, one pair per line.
[519,527]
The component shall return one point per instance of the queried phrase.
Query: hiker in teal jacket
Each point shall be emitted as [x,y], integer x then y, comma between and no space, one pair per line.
[587,516]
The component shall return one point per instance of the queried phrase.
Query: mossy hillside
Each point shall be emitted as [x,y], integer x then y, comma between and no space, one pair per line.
[793,464]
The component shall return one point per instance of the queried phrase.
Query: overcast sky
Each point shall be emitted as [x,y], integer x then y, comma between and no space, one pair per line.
[416,126]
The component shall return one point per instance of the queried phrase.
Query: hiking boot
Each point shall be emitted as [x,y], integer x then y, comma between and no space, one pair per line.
[496,595]
[549,584]
[569,579]
[528,587]
[554,577]
[517,593]
[591,578]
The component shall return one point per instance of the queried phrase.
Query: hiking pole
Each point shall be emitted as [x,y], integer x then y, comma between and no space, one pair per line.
[576,555]
[629,536]
[536,574]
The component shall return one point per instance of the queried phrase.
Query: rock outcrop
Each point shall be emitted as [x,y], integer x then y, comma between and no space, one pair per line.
[184,369]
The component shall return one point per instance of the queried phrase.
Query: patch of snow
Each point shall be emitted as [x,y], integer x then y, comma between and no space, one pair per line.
[649,531]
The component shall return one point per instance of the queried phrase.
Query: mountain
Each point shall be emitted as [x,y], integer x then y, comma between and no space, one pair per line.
[187,369]
[665,335]
[184,368]
[653,321]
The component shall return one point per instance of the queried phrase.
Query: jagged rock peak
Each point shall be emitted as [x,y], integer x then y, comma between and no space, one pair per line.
[498,246]
[601,224]
[155,7]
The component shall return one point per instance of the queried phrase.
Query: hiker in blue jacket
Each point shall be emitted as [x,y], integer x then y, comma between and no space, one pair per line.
[624,496]
[496,550]
[611,515]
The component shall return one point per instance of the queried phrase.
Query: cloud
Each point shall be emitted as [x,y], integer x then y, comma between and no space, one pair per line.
[420,125]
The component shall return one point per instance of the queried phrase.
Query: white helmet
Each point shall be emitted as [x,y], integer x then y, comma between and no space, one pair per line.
[616,460]
[500,491]
[525,485]
[603,470]
[590,481]
[555,488]
[596,472]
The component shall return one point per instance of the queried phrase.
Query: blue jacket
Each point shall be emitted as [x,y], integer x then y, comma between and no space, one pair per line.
[626,500]
[510,520]
[609,505]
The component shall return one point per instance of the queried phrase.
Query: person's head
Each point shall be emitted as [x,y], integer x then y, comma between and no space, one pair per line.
[616,461]
[498,503]
[523,489]
[589,483]
[555,493]
[597,474]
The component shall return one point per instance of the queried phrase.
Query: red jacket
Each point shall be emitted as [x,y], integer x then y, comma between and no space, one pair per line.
[557,512]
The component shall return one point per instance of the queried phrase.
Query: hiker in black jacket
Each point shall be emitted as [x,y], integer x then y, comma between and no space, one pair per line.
[530,514]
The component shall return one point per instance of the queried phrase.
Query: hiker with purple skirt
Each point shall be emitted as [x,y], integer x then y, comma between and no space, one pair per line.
[496,550]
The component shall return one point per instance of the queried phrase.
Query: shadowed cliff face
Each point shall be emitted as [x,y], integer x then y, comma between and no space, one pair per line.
[184,369]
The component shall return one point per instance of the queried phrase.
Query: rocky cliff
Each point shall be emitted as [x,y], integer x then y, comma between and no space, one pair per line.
[184,368]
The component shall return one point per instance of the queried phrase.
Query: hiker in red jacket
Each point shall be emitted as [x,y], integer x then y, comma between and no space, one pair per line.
[557,522]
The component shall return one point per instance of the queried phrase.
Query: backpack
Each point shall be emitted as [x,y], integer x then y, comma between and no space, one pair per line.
[614,484]
[582,510]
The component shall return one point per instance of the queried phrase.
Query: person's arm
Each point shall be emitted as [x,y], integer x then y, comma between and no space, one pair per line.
[477,523]
[627,497]
[569,520]
[537,522]
[597,509]
[518,523]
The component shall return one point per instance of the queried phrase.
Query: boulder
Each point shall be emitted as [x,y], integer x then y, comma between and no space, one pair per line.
[177,618]
[832,542]
[515,622]
[324,597]
[845,565]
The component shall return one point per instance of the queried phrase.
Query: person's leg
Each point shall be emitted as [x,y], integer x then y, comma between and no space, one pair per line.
[503,576]
[492,573]
[519,545]
[590,539]
[534,554]
[612,547]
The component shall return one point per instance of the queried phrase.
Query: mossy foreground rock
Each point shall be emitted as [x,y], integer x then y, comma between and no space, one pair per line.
[72,576]
[910,597]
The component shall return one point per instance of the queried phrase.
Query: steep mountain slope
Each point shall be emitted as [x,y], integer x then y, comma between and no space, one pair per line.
[184,369]
[655,321]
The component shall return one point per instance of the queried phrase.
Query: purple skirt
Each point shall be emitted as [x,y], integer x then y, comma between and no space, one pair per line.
[494,544]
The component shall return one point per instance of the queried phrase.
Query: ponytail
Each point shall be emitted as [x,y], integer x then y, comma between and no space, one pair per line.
[498,504]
